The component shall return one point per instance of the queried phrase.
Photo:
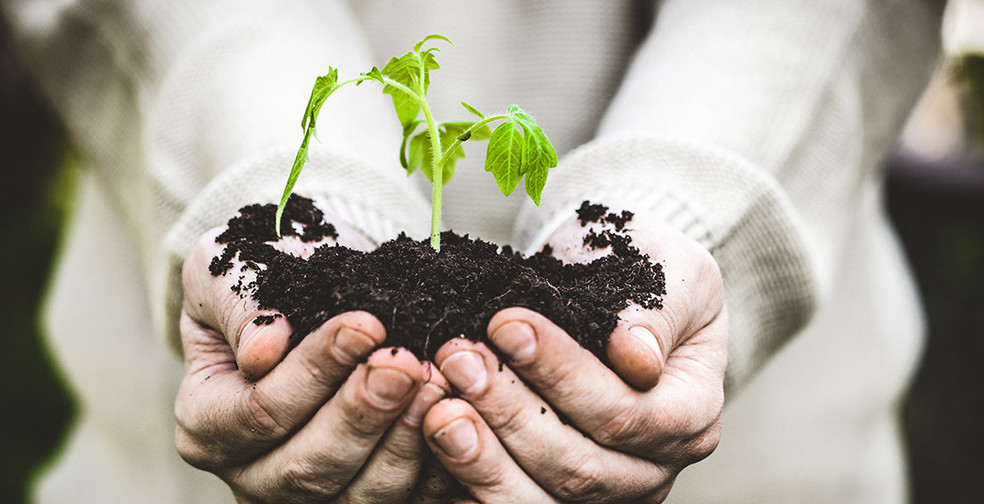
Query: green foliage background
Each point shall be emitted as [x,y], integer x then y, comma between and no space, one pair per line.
[35,195]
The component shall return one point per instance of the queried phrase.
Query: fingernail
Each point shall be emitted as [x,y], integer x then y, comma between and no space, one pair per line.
[517,340]
[249,332]
[646,337]
[388,386]
[466,371]
[428,396]
[458,439]
[351,346]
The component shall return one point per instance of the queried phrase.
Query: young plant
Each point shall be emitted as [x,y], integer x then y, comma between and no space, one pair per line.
[517,147]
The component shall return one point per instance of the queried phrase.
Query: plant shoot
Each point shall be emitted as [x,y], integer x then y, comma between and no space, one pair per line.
[517,147]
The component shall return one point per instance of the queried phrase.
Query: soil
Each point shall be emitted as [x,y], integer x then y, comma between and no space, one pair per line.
[425,298]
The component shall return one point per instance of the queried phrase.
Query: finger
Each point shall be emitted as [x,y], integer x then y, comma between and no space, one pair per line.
[258,337]
[635,350]
[223,419]
[557,456]
[679,417]
[638,347]
[469,450]
[393,470]
[320,459]
[563,372]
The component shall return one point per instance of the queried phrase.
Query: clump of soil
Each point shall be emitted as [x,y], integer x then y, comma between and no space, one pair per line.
[425,298]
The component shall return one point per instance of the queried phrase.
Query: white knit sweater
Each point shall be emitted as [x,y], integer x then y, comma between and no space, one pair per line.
[755,127]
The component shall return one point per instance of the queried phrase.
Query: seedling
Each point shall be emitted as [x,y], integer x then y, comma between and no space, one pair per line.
[517,148]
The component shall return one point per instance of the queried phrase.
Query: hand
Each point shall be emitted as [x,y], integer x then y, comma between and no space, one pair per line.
[516,432]
[304,426]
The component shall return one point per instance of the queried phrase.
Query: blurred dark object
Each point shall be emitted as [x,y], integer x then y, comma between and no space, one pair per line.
[33,197]
[968,71]
[937,207]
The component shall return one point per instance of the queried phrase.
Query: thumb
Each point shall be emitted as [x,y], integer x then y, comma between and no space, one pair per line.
[258,338]
[635,350]
[261,344]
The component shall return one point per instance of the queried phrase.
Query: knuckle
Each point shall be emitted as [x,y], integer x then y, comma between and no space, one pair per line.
[362,421]
[506,419]
[706,443]
[256,416]
[581,481]
[192,452]
[621,427]
[401,452]
[550,375]
[303,478]
[491,477]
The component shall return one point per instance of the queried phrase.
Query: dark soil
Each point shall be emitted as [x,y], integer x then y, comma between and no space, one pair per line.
[425,298]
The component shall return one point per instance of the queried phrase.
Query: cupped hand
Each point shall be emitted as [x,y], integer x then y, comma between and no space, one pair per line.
[558,424]
[333,418]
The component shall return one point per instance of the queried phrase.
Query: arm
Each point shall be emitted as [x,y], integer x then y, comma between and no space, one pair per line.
[752,128]
[187,110]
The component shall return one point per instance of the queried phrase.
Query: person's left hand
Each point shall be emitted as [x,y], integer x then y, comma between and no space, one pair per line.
[557,424]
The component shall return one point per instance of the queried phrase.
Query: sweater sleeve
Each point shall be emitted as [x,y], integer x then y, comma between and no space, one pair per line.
[754,128]
[187,110]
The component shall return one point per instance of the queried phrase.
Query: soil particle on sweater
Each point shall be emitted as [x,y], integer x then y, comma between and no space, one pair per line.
[425,298]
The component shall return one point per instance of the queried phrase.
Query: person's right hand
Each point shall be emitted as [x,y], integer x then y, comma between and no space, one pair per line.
[302,427]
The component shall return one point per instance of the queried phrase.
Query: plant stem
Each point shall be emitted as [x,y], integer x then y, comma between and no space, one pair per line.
[437,171]
[466,133]
[437,168]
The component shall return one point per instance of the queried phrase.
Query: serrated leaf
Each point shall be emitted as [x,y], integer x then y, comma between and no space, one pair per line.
[473,110]
[504,156]
[537,138]
[538,155]
[402,70]
[413,71]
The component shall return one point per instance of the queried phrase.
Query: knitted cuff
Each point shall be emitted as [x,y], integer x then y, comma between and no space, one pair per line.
[344,188]
[725,203]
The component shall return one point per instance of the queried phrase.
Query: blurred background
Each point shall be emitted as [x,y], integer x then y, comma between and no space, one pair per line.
[935,183]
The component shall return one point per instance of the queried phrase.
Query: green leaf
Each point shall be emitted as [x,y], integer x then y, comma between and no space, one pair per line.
[538,154]
[373,74]
[504,156]
[404,70]
[450,131]
[420,150]
[536,179]
[419,154]
[473,110]
[546,152]
[324,85]
[413,71]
